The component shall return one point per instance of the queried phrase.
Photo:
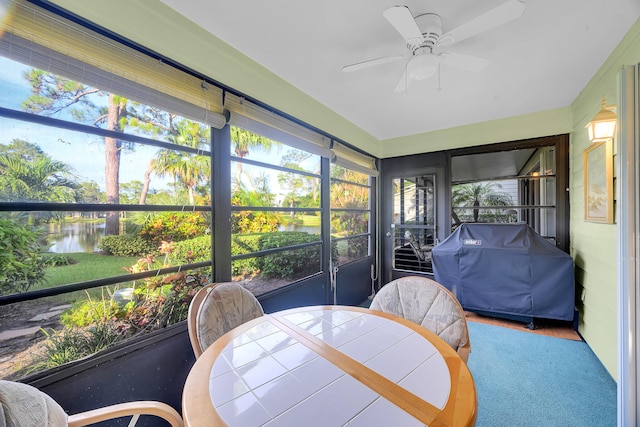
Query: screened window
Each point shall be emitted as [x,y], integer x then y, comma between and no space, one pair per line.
[106,183]
[106,214]
[276,215]
[350,214]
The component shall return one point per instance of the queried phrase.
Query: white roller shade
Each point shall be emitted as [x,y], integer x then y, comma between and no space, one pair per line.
[252,117]
[43,40]
[351,159]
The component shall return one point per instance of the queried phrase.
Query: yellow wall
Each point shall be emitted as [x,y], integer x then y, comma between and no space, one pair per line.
[593,245]
[544,123]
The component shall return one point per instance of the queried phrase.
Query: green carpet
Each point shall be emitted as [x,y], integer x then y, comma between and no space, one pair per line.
[523,379]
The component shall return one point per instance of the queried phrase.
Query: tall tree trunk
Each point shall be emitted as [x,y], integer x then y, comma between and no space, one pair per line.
[112,167]
[476,211]
[191,195]
[238,176]
[145,186]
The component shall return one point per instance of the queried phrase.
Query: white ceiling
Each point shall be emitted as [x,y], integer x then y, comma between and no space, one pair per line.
[538,62]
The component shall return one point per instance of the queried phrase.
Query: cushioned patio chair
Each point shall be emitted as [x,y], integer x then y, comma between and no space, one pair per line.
[216,309]
[25,406]
[422,252]
[427,303]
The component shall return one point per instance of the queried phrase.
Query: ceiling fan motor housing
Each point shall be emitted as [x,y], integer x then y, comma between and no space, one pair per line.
[430,25]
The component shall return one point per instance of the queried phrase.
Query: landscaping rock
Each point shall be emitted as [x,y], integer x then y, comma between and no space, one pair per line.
[16,333]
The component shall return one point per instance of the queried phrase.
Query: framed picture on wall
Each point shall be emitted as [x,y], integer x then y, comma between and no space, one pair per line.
[598,182]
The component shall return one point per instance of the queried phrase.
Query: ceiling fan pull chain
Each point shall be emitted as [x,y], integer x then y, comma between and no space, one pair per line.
[439,89]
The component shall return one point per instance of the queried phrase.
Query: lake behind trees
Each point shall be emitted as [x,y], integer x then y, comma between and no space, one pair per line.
[71,237]
[85,236]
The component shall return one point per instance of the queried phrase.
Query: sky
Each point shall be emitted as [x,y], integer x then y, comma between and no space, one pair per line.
[83,152]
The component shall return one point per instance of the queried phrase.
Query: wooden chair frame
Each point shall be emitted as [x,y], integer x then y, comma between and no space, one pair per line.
[133,409]
[192,321]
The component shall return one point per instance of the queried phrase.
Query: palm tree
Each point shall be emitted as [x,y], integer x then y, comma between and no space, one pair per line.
[253,191]
[475,195]
[243,141]
[343,193]
[185,168]
[31,175]
[38,179]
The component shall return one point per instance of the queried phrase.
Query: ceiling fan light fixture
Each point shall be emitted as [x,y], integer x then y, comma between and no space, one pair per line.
[422,66]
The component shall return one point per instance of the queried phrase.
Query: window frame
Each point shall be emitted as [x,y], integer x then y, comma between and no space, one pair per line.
[369,234]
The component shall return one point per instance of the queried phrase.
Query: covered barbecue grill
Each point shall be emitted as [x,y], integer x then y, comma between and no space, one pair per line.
[506,270]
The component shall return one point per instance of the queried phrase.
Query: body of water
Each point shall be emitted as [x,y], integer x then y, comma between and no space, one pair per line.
[85,236]
[75,237]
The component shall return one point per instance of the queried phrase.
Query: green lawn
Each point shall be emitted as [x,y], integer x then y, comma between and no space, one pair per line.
[87,266]
[301,220]
[311,220]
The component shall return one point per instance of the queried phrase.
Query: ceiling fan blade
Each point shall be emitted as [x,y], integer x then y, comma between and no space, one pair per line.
[502,14]
[370,63]
[464,61]
[402,20]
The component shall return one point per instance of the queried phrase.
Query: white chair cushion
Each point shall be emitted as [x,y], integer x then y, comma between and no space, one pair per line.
[226,306]
[24,405]
[418,300]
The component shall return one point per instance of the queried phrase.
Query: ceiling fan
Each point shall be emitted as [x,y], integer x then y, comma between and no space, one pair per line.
[425,39]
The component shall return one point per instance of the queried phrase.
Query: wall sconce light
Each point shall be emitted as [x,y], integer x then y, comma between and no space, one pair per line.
[603,125]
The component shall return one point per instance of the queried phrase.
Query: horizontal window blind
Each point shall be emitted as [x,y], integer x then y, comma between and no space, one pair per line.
[351,159]
[41,39]
[252,117]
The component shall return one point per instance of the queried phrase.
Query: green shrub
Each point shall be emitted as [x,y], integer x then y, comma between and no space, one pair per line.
[174,227]
[89,311]
[189,251]
[254,222]
[349,222]
[286,238]
[164,300]
[290,264]
[71,344]
[55,260]
[21,264]
[243,244]
[287,264]
[357,247]
[126,246]
[94,324]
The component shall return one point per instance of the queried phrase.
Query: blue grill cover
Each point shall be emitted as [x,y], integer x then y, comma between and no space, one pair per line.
[506,269]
